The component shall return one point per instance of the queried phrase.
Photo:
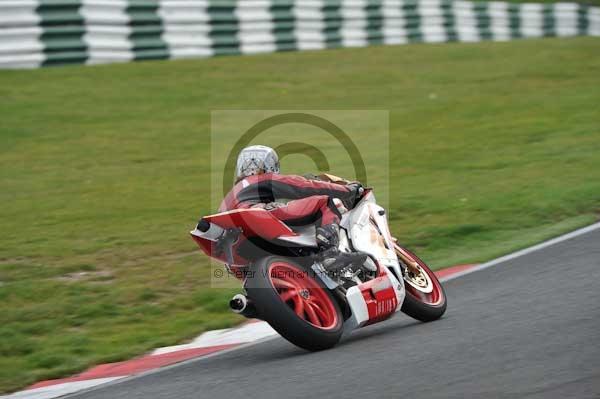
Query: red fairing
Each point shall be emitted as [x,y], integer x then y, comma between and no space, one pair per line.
[380,297]
[253,222]
[210,249]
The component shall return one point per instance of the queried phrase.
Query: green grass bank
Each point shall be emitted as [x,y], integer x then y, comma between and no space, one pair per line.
[103,171]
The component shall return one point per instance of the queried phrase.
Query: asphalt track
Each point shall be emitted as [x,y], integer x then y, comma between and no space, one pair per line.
[526,328]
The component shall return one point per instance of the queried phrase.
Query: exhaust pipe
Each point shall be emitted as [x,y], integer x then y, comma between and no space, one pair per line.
[209,231]
[242,305]
[238,303]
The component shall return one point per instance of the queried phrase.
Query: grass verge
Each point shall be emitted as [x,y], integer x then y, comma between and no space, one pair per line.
[103,170]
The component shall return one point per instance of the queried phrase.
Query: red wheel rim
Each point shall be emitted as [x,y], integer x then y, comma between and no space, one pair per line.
[436,296]
[303,295]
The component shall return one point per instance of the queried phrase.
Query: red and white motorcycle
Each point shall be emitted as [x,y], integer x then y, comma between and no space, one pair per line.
[312,301]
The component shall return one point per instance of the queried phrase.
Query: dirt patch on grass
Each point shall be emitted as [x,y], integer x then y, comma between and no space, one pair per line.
[102,276]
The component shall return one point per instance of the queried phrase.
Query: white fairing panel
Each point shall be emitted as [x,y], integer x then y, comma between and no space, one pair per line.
[358,306]
[400,290]
[369,233]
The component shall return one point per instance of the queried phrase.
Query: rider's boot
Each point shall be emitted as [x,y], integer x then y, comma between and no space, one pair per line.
[328,239]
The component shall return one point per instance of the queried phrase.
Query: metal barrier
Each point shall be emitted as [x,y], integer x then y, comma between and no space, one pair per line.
[37,33]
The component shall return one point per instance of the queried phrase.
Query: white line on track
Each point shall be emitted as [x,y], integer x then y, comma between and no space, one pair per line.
[171,366]
[55,391]
[474,269]
[525,251]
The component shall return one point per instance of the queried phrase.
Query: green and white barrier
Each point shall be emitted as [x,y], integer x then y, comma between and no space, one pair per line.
[37,33]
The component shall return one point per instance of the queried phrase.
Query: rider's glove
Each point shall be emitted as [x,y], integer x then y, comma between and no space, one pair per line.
[357,191]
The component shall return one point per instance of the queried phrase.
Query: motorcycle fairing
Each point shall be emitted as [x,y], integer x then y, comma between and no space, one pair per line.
[364,228]
[373,301]
[377,299]
[253,222]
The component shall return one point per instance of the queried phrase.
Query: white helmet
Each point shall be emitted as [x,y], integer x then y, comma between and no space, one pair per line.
[256,160]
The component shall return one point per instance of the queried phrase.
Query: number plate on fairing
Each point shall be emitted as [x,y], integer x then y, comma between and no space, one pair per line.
[373,301]
[380,297]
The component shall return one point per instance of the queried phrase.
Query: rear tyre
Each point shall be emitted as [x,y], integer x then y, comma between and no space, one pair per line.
[295,304]
[425,297]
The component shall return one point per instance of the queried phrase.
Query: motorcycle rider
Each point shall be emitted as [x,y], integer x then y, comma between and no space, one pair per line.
[295,200]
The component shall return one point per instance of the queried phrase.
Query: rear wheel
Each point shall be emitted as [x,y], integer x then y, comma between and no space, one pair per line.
[294,303]
[425,297]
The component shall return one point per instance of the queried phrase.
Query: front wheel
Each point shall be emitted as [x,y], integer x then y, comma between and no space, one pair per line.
[294,303]
[425,297]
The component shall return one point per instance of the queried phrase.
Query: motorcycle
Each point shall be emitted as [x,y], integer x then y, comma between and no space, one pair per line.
[309,299]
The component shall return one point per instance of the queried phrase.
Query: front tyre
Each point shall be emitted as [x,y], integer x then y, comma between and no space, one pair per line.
[425,297]
[295,304]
